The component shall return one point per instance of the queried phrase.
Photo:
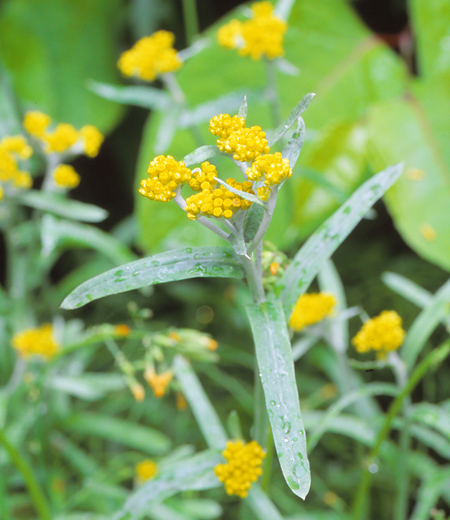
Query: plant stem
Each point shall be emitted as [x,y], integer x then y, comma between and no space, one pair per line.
[266,220]
[435,357]
[271,92]
[37,496]
[190,20]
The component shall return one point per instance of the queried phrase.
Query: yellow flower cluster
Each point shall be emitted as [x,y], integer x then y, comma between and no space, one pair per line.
[146,470]
[204,178]
[246,144]
[150,56]
[311,308]
[165,174]
[223,125]
[220,202]
[158,382]
[243,467]
[64,135]
[36,342]
[13,149]
[262,35]
[66,177]
[270,167]
[382,333]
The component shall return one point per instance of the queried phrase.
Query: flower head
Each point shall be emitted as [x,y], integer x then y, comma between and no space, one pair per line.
[66,177]
[61,139]
[311,308]
[243,467]
[260,36]
[150,56]
[92,139]
[244,143]
[271,168]
[165,174]
[382,333]
[36,123]
[204,178]
[158,382]
[12,150]
[219,202]
[146,470]
[36,342]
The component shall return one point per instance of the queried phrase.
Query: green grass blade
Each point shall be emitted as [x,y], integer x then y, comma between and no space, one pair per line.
[216,262]
[121,431]
[276,367]
[204,412]
[424,325]
[407,288]
[324,242]
[195,473]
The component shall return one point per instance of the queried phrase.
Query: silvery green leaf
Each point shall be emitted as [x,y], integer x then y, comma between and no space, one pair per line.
[181,264]
[166,130]
[194,49]
[243,194]
[324,242]
[198,114]
[261,505]
[276,368]
[238,244]
[243,109]
[195,473]
[201,154]
[146,97]
[407,288]
[252,221]
[286,67]
[204,412]
[278,133]
[60,205]
[283,8]
[294,146]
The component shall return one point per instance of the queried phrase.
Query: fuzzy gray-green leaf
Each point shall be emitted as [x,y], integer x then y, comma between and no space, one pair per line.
[278,133]
[215,262]
[146,97]
[252,221]
[276,367]
[324,242]
[201,154]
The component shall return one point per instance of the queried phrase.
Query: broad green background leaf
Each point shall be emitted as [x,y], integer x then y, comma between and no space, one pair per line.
[51,47]
[216,262]
[342,63]
[276,367]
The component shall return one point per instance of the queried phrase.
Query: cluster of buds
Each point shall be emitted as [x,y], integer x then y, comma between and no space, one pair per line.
[165,175]
[39,342]
[260,36]
[12,150]
[150,57]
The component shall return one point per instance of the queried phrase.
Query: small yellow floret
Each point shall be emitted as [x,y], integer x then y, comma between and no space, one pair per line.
[17,145]
[150,56]
[158,382]
[66,177]
[223,125]
[311,308]
[36,342]
[61,139]
[36,123]
[22,180]
[165,174]
[92,139]
[382,333]
[243,467]
[146,470]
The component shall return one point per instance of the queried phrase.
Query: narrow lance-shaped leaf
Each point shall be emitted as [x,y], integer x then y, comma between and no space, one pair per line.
[252,221]
[293,148]
[167,128]
[201,406]
[195,473]
[261,504]
[324,242]
[201,154]
[60,205]
[243,109]
[278,133]
[276,367]
[243,194]
[215,262]
[147,97]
